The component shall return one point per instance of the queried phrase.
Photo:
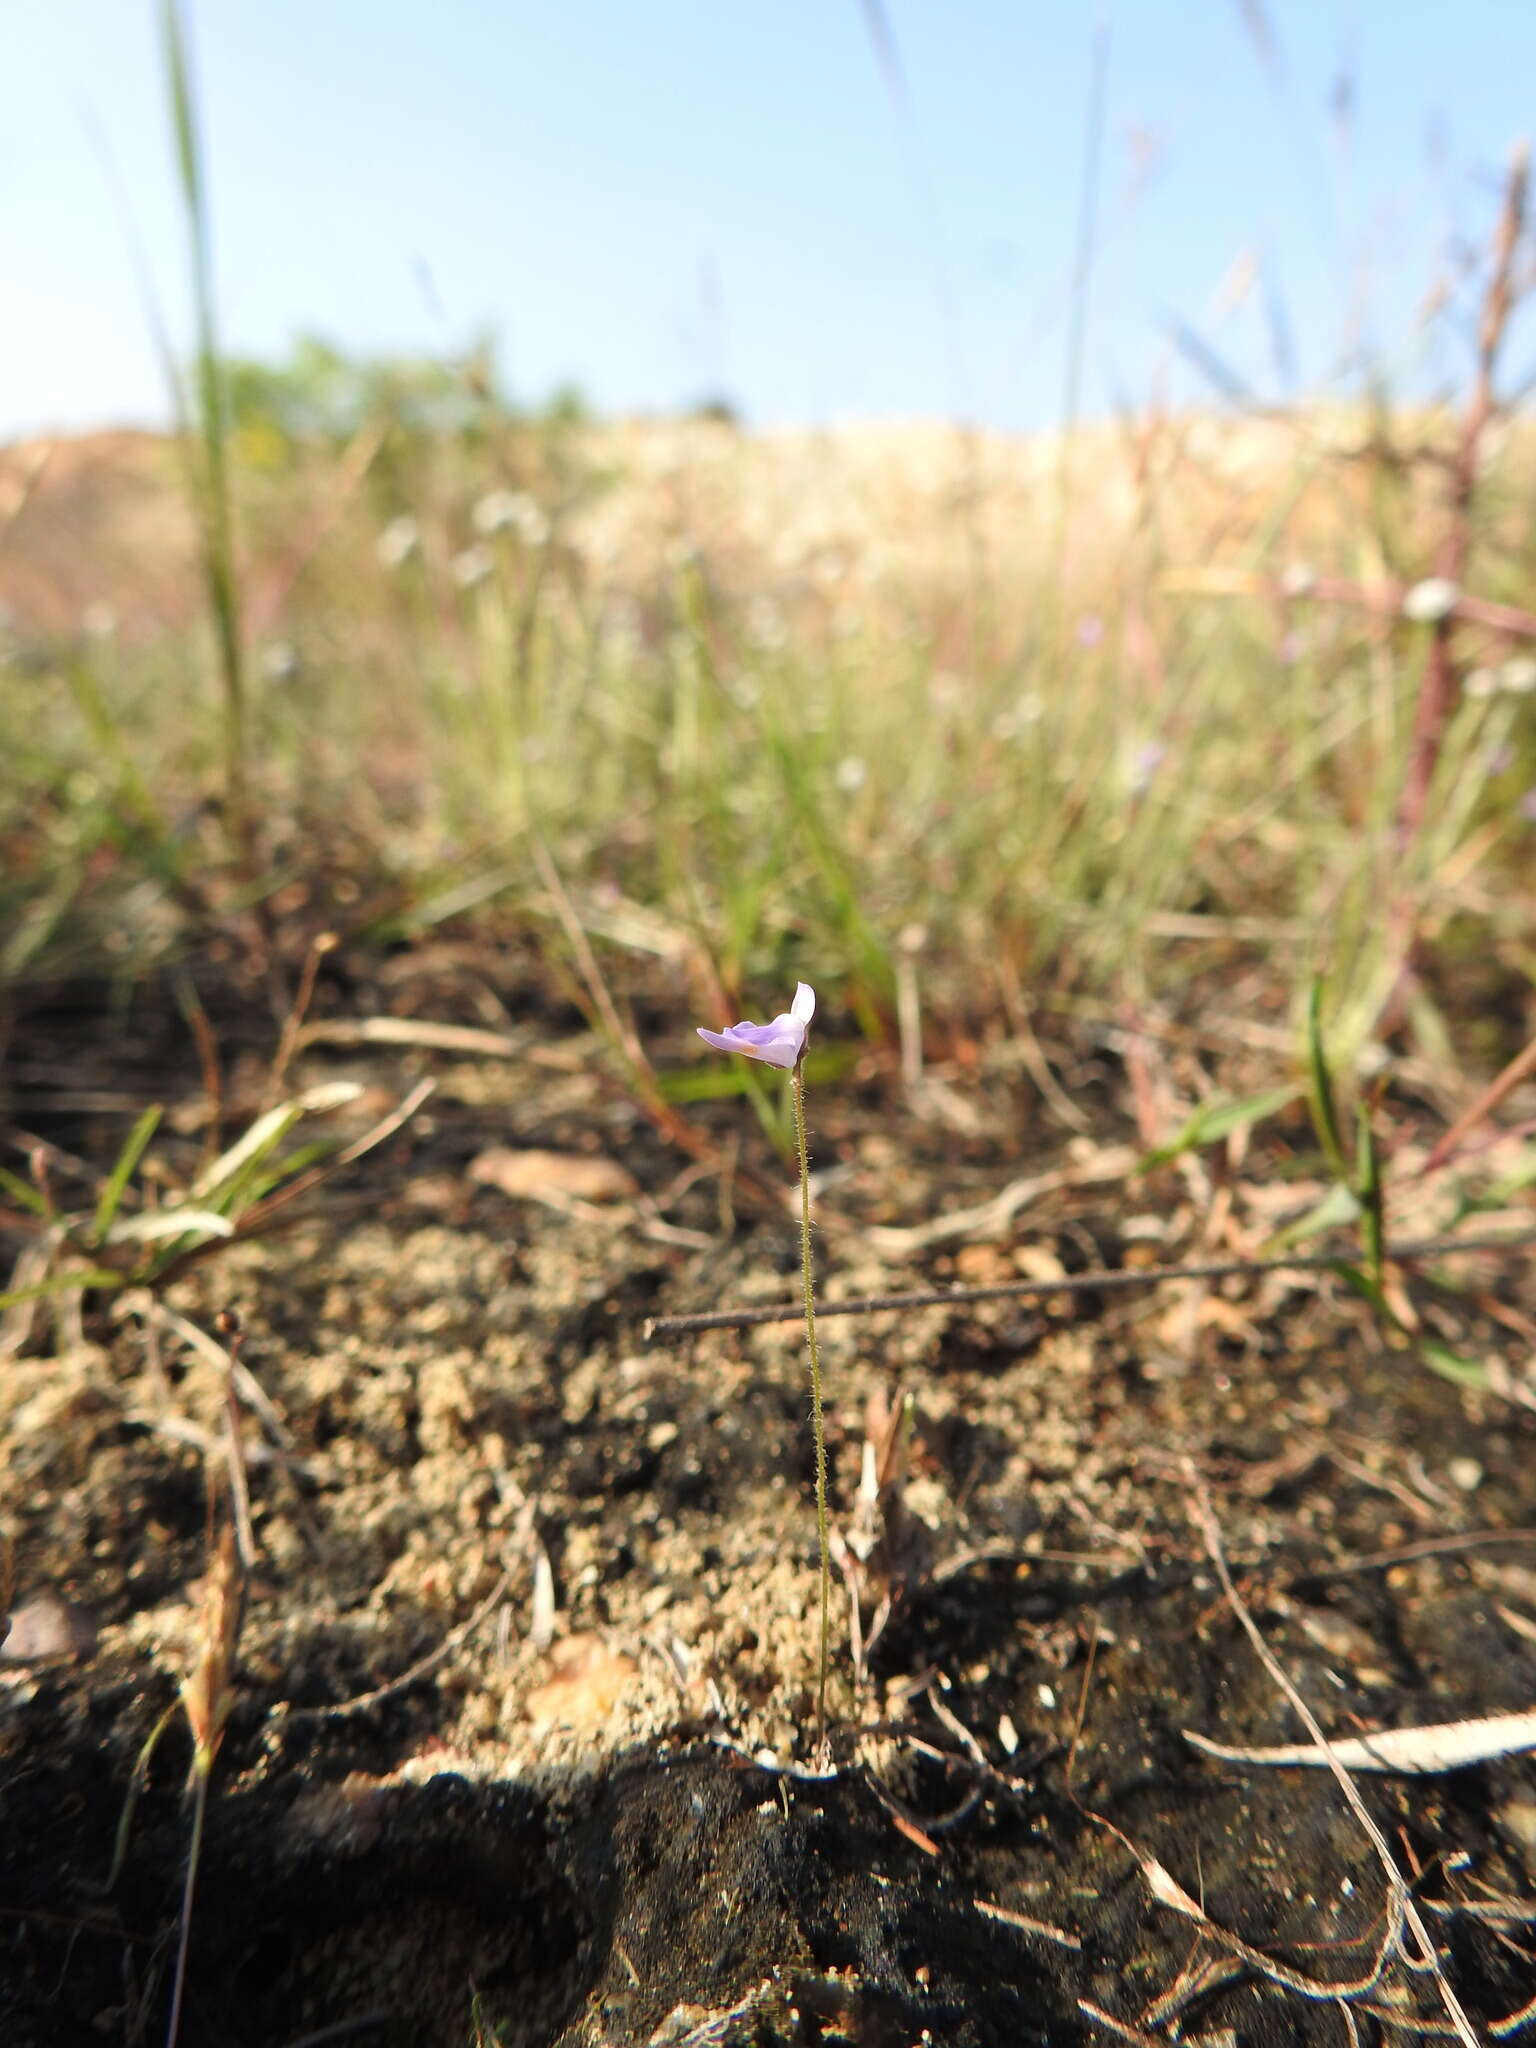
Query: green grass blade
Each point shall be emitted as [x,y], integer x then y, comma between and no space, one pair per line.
[1217,1119]
[76,1281]
[127,1161]
[1338,1207]
[215,511]
[22,1191]
[1450,1365]
[220,1182]
[1320,1090]
[1368,1186]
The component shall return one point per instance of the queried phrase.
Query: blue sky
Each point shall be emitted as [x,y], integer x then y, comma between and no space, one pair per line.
[691,197]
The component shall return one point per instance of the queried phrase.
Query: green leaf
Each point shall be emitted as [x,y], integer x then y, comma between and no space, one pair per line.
[1216,1118]
[122,1172]
[23,1191]
[1368,1186]
[75,1281]
[222,1178]
[1520,1176]
[702,1084]
[1320,1092]
[718,1083]
[1368,1289]
[1340,1206]
[1462,1372]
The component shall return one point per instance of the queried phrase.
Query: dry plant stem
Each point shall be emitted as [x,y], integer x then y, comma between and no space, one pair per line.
[1437,691]
[206,1696]
[422,1668]
[817,1424]
[1401,1898]
[361,452]
[239,1482]
[1381,600]
[1095,1282]
[208,1061]
[1503,1084]
[293,1023]
[214,509]
[189,1891]
[604,1016]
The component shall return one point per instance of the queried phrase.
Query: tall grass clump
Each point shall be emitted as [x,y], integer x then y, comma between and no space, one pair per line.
[748,693]
[206,427]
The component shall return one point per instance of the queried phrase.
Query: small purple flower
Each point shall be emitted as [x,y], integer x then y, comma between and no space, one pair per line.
[780,1043]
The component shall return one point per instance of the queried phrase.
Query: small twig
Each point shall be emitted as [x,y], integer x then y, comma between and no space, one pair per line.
[1082,1704]
[208,1060]
[1514,2021]
[422,1668]
[418,1033]
[239,1483]
[1409,1553]
[1013,1553]
[1401,1900]
[929,1825]
[1026,1924]
[1381,600]
[1103,1279]
[1119,2028]
[1503,1084]
[293,1023]
[1440,686]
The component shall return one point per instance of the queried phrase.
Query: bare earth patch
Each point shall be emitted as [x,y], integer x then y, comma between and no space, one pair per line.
[522,1747]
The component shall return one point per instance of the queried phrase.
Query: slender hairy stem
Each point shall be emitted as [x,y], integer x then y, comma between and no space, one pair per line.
[202,1770]
[817,1425]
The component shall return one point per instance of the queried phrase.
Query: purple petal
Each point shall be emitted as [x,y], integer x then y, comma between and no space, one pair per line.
[769,1042]
[778,1044]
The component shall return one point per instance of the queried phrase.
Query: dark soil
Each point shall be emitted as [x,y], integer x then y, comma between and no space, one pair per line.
[596,1815]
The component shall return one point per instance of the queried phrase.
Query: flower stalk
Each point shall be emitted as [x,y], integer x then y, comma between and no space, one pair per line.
[818,1427]
[781,1044]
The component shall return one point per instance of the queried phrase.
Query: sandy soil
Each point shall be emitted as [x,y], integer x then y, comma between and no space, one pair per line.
[522,1747]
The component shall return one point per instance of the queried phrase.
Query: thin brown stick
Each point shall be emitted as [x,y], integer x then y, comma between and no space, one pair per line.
[212,1072]
[1119,2028]
[422,1668]
[357,459]
[239,1481]
[1082,1704]
[1409,1553]
[1401,1900]
[1102,1279]
[1026,1923]
[603,1014]
[1502,1085]
[293,1023]
[1380,600]
[1441,682]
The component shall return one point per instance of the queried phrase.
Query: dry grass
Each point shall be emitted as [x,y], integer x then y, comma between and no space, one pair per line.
[776,701]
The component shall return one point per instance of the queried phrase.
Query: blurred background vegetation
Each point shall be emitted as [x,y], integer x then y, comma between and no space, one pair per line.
[371,647]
